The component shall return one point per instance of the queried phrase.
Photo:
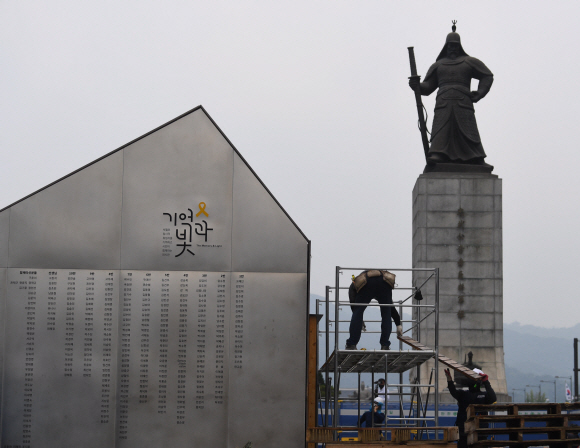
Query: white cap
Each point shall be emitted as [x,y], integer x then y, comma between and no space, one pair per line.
[479,371]
[380,400]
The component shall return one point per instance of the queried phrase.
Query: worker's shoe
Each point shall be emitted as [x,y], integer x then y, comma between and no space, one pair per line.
[384,347]
[350,347]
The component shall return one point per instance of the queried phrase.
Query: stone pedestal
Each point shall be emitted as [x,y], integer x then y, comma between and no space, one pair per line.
[457,227]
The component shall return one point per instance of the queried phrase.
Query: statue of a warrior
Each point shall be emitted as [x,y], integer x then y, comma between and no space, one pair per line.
[454,136]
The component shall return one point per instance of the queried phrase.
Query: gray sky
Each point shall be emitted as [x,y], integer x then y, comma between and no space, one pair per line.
[314,95]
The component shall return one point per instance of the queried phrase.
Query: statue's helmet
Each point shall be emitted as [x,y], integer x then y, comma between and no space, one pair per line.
[454,38]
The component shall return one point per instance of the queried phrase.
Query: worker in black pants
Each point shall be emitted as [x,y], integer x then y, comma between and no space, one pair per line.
[474,395]
[375,285]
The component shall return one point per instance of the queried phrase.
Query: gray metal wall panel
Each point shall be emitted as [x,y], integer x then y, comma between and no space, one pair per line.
[2,334]
[267,360]
[174,358]
[75,223]
[172,171]
[143,357]
[263,238]
[60,349]
[4,232]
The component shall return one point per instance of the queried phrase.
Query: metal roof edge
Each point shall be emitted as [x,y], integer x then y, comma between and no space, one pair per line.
[102,157]
[149,133]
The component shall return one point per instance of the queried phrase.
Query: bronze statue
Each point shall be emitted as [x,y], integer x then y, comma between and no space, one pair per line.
[455,139]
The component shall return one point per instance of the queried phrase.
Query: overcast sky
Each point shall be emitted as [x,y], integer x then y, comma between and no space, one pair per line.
[314,95]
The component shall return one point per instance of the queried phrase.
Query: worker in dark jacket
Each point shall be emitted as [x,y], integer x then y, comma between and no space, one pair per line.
[367,417]
[474,395]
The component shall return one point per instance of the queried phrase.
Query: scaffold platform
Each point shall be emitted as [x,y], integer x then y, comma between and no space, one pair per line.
[412,424]
[368,361]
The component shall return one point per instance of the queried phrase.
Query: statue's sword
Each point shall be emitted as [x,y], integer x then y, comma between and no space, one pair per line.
[422,125]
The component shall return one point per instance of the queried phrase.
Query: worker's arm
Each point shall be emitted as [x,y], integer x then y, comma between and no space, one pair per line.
[490,396]
[453,391]
[451,385]
[397,319]
[395,316]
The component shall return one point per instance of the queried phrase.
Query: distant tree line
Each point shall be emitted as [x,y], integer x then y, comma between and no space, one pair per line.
[536,397]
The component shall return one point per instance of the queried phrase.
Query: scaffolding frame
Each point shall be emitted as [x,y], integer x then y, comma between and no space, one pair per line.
[375,361]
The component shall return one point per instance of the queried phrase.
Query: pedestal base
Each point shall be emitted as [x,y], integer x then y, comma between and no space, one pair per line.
[457,227]
[457,168]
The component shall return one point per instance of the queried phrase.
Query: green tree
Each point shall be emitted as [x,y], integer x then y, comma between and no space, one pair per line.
[323,386]
[537,397]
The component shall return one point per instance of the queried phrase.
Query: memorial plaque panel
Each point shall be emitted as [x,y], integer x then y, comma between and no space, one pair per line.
[180,218]
[73,223]
[151,340]
[60,349]
[264,239]
[267,344]
[173,358]
[4,228]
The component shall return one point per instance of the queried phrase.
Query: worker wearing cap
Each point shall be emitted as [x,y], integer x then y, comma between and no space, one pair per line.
[474,395]
[380,389]
[365,287]
[367,417]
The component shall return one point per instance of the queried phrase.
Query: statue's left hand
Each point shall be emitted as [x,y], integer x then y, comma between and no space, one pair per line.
[475,96]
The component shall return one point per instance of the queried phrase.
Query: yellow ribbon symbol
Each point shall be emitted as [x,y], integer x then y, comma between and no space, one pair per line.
[202,209]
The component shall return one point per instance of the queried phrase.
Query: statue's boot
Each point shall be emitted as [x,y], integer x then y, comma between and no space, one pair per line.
[436,158]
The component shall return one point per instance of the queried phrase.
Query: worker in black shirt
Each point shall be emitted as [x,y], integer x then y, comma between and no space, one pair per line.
[474,395]
[369,285]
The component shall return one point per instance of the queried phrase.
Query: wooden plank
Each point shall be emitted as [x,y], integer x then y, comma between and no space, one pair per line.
[319,435]
[515,408]
[442,359]
[523,443]
[516,421]
[401,435]
[570,406]
[418,444]
[526,430]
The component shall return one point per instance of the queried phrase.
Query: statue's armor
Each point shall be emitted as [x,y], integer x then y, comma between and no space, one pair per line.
[454,79]
[454,132]
[454,72]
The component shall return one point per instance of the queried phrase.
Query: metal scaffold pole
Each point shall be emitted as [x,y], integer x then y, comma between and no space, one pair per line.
[336,416]
[327,337]
[436,347]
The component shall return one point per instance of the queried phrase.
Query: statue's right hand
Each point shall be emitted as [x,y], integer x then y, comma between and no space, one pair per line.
[414,82]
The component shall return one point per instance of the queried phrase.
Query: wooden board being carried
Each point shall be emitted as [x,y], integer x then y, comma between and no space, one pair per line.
[443,359]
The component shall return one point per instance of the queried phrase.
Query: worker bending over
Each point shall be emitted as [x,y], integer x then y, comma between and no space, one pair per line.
[367,286]
[474,395]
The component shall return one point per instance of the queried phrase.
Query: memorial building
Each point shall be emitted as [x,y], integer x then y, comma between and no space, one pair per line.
[155,297]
